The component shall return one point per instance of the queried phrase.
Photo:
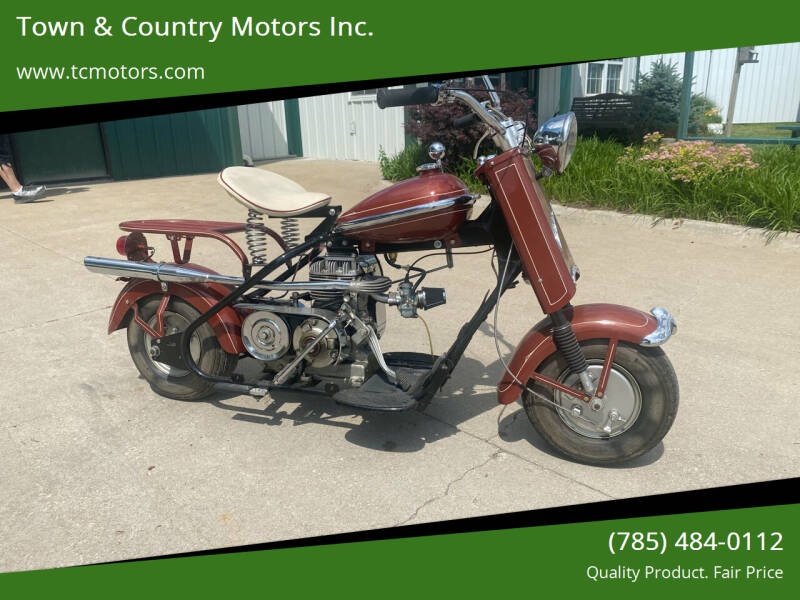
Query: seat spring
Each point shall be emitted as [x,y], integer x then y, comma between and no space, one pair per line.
[256,238]
[290,231]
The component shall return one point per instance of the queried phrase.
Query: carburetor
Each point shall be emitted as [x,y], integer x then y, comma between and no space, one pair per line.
[408,301]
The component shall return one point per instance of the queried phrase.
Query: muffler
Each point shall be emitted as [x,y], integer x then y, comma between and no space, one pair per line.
[155,271]
[166,272]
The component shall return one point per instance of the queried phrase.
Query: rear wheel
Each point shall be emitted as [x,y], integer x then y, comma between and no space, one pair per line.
[173,382]
[638,408]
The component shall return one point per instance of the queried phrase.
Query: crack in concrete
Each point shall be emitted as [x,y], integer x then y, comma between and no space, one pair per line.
[494,455]
[56,320]
[523,458]
[42,246]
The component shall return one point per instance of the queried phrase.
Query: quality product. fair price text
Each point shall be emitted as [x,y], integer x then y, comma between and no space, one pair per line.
[658,541]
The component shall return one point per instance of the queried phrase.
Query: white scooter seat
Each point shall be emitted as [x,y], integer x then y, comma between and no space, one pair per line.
[269,193]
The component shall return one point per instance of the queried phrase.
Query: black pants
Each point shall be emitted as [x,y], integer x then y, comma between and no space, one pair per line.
[5,149]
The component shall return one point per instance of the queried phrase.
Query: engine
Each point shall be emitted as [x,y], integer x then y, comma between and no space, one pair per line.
[349,267]
[282,329]
[334,337]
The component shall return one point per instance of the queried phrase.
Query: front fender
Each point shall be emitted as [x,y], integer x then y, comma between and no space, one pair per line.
[227,324]
[589,321]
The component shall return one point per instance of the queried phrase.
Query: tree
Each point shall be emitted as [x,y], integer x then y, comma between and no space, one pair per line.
[660,92]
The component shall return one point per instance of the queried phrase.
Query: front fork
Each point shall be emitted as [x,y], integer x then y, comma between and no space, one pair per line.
[567,344]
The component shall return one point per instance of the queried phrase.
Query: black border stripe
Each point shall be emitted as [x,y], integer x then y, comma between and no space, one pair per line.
[748,495]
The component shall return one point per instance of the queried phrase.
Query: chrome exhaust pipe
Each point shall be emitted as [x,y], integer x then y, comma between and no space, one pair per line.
[155,271]
[165,272]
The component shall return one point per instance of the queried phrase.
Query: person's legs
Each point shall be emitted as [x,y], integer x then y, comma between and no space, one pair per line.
[7,174]
[6,170]
[22,194]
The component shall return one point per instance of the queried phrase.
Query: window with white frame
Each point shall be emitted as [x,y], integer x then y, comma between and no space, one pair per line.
[594,78]
[613,78]
[604,77]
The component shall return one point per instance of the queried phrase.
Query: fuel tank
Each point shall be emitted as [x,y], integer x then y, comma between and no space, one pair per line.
[425,208]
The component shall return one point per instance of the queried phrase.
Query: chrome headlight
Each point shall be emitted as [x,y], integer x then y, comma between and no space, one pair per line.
[561,132]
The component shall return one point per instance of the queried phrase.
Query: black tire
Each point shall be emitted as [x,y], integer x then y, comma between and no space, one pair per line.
[176,383]
[657,388]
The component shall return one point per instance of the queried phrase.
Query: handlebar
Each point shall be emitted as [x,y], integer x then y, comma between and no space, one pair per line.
[500,126]
[407,96]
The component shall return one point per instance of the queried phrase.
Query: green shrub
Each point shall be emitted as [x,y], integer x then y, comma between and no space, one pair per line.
[403,164]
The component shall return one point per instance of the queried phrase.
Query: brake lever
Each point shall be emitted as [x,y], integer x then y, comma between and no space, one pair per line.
[486,132]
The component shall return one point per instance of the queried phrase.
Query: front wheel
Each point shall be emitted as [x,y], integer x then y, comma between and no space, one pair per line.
[638,408]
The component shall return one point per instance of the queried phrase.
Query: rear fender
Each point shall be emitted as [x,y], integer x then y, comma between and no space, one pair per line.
[589,321]
[227,324]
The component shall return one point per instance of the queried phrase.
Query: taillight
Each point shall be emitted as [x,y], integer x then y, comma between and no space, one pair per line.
[121,243]
[134,246]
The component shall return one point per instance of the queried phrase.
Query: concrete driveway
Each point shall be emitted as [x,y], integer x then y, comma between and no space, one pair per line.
[94,466]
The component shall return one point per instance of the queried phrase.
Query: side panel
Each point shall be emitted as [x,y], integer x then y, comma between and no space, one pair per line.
[227,323]
[522,201]
[589,321]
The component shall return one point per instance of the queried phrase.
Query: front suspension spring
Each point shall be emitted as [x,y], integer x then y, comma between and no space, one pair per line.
[567,344]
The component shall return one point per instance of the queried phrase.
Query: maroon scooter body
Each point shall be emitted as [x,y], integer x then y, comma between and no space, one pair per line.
[527,213]
[429,207]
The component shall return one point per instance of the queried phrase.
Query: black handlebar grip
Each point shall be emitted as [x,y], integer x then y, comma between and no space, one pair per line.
[407,96]
[465,121]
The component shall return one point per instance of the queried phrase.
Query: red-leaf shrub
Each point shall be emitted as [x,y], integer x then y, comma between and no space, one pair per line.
[435,124]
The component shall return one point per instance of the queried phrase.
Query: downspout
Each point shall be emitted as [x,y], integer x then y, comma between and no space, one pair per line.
[686,95]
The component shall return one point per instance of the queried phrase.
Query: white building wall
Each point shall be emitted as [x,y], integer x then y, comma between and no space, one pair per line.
[549,90]
[262,128]
[349,127]
[769,91]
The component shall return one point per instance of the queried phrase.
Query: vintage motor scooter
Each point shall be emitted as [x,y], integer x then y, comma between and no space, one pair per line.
[593,380]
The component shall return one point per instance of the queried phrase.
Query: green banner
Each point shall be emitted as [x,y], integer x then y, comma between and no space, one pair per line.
[59,54]
[734,553]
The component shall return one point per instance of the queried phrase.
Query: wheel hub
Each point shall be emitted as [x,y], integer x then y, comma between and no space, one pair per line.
[173,323]
[621,405]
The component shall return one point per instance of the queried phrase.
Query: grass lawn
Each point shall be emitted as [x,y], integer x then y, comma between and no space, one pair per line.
[760,130]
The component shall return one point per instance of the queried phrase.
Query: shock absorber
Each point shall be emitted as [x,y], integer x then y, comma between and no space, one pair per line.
[255,237]
[567,344]
[290,231]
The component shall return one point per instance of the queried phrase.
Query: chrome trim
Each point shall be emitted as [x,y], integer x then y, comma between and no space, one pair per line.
[575,273]
[357,286]
[436,151]
[374,344]
[665,328]
[492,93]
[397,215]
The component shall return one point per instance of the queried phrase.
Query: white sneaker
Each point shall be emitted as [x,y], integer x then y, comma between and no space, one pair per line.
[28,193]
